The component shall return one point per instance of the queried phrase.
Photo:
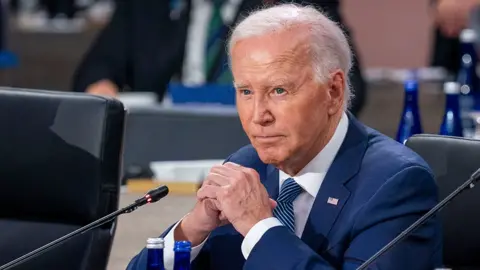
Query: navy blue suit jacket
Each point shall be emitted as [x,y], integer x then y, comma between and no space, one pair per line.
[382,187]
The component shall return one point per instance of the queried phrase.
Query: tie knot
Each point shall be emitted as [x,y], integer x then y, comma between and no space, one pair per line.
[290,191]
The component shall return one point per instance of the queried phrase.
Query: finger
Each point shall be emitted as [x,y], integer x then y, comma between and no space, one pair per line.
[233,166]
[208,191]
[251,174]
[229,171]
[216,179]
[273,203]
[213,204]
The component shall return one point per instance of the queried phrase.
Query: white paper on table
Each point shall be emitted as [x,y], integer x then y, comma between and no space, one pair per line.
[190,171]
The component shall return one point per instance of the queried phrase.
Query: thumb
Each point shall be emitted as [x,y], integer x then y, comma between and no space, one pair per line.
[273,203]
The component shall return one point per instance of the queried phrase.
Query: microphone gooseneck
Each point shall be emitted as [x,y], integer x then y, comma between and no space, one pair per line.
[470,183]
[152,196]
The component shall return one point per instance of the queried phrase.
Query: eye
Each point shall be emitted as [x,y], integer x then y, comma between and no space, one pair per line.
[245,92]
[279,91]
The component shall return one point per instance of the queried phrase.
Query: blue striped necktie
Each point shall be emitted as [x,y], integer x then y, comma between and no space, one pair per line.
[284,210]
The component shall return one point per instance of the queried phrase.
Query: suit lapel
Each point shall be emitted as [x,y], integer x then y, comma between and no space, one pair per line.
[333,194]
[271,181]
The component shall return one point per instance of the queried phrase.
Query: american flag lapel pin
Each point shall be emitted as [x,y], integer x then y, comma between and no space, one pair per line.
[333,201]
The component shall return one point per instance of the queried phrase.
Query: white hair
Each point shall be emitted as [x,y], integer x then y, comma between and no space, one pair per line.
[330,47]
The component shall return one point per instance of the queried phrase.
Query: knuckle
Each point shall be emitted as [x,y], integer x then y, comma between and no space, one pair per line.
[214,168]
[252,172]
[227,192]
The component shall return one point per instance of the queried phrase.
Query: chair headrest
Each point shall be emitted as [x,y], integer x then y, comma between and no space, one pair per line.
[445,153]
[59,154]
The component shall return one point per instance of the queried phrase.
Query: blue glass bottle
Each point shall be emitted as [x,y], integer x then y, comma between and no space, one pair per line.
[452,122]
[467,75]
[155,254]
[182,251]
[410,123]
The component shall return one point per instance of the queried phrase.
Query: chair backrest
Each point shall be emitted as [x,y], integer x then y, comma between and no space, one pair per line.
[453,160]
[60,166]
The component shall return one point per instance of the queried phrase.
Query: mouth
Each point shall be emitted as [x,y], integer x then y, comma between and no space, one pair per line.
[268,139]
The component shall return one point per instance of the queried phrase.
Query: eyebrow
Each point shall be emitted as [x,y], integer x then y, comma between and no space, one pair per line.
[282,84]
[240,85]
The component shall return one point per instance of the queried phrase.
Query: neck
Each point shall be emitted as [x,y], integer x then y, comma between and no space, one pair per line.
[299,160]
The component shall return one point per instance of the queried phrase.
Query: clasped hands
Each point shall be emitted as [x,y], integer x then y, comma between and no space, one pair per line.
[230,194]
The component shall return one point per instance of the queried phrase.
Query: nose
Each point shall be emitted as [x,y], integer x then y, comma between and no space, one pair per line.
[261,113]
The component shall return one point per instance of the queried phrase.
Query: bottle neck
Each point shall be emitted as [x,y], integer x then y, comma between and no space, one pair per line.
[155,259]
[468,65]
[182,260]
[411,99]
[452,103]
[468,49]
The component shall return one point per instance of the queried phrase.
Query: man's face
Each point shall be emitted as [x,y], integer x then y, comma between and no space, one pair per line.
[285,112]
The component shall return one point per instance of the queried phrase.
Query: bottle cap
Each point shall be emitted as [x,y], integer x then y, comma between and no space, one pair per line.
[411,85]
[451,88]
[182,246]
[155,243]
[468,36]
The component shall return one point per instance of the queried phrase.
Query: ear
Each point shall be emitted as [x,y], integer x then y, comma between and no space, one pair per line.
[336,91]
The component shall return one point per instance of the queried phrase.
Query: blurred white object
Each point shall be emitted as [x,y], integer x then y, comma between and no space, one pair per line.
[33,19]
[191,171]
[61,24]
[476,118]
[84,3]
[39,22]
[137,99]
[101,11]
[399,75]
[29,16]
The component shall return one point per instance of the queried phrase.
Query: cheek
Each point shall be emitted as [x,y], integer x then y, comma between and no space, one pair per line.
[244,113]
[305,120]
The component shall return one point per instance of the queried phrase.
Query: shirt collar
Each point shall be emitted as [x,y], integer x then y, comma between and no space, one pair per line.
[310,178]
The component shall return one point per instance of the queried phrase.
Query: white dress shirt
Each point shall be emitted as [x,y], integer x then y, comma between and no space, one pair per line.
[193,70]
[310,178]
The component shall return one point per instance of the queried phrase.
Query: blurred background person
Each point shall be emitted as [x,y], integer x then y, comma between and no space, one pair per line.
[450,17]
[149,43]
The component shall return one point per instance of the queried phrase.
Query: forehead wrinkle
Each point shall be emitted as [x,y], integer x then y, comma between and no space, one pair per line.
[277,69]
[298,53]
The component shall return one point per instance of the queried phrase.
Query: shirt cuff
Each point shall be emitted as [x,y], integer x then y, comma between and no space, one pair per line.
[256,232]
[169,254]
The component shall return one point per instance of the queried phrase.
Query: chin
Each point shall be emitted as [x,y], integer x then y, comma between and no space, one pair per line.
[271,155]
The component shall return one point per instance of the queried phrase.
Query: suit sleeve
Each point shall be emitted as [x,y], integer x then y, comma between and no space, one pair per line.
[110,54]
[396,205]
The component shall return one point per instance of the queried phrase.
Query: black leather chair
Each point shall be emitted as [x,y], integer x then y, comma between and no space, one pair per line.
[60,166]
[453,160]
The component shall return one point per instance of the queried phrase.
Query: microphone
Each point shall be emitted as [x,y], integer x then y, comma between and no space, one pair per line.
[469,184]
[152,196]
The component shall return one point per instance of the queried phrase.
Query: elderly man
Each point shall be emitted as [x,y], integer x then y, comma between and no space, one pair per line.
[316,189]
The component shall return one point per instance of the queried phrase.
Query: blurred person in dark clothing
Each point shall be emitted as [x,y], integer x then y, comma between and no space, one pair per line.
[451,17]
[150,42]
